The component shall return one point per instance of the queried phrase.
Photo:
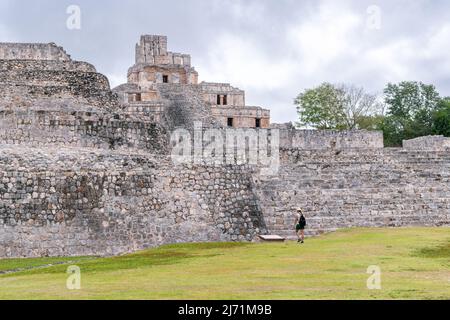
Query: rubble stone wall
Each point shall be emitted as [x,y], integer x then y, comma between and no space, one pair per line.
[81,174]
[427,143]
[68,202]
[329,139]
[40,128]
[32,51]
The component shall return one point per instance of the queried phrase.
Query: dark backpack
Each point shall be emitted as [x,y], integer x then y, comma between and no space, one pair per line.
[302,221]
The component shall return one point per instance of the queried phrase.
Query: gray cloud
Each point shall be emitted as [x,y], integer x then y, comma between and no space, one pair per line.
[273,49]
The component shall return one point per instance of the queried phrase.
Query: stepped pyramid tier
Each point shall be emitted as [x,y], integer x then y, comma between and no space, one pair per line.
[39,73]
[85,170]
[156,68]
[49,99]
[33,51]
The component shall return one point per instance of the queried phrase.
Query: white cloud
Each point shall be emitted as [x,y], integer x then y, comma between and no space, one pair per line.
[271,49]
[438,48]
[241,61]
[5,34]
[116,80]
[328,34]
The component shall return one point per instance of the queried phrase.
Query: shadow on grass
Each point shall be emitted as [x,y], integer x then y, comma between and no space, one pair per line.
[165,255]
[207,245]
[442,251]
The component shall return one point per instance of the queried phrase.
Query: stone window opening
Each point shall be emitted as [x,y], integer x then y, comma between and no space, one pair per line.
[134,97]
[138,97]
[230,122]
[165,79]
[258,123]
[222,100]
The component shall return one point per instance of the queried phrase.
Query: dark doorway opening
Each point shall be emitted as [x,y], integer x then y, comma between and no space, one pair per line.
[165,79]
[230,122]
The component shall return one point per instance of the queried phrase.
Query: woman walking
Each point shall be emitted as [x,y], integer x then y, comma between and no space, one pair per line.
[300,225]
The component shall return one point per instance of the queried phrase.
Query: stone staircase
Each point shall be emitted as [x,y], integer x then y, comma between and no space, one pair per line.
[378,188]
[184,106]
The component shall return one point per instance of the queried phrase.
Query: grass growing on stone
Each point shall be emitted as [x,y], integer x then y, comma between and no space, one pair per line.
[415,264]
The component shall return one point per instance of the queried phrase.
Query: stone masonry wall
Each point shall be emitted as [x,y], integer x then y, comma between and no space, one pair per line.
[84,202]
[82,175]
[328,139]
[23,83]
[32,51]
[357,188]
[66,127]
[33,65]
[437,143]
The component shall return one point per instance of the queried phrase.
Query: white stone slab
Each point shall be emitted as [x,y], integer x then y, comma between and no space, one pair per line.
[272,238]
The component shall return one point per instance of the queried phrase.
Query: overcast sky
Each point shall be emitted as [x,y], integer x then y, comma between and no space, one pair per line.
[273,49]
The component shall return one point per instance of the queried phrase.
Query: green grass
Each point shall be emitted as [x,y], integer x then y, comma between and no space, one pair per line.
[19,264]
[415,264]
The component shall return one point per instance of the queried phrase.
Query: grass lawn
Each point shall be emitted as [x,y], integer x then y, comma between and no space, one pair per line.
[415,264]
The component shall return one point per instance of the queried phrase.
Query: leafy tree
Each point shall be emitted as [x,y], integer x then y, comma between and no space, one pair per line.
[441,118]
[392,131]
[370,122]
[408,98]
[343,107]
[321,108]
[414,109]
[411,106]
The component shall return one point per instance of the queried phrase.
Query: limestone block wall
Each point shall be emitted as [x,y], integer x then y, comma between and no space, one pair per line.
[235,96]
[63,202]
[357,188]
[149,47]
[88,128]
[148,75]
[25,82]
[48,78]
[152,49]
[242,117]
[146,111]
[32,51]
[45,65]
[329,139]
[427,143]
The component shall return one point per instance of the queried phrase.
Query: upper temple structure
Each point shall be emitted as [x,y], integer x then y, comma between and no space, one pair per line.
[86,170]
[156,68]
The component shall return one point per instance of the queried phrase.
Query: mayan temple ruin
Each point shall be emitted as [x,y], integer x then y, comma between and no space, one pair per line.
[87,170]
[156,67]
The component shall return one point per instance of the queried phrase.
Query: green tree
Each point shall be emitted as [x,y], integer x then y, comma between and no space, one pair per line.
[441,118]
[342,107]
[411,108]
[372,122]
[408,98]
[321,108]
[392,128]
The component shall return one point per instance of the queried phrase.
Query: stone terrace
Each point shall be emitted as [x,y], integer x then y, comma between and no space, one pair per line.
[82,173]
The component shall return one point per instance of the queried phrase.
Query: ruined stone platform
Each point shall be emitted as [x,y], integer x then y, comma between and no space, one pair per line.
[82,172]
